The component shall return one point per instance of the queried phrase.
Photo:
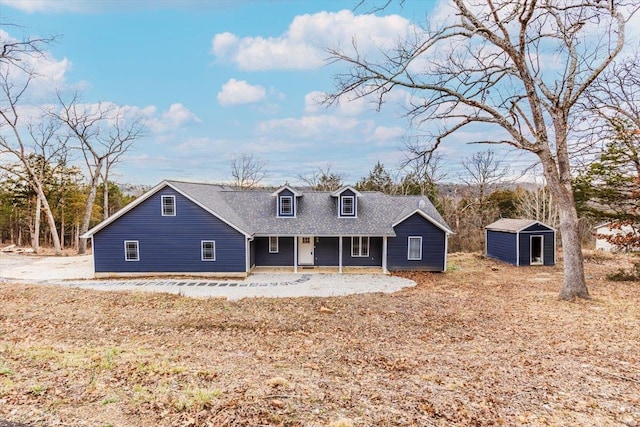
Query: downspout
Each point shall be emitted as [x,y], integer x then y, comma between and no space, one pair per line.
[247,250]
[446,250]
[295,254]
[340,254]
[384,255]
[518,248]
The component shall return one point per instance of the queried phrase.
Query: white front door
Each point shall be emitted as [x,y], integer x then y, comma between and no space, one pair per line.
[305,250]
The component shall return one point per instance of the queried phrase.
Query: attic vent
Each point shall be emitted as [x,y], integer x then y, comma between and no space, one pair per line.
[422,204]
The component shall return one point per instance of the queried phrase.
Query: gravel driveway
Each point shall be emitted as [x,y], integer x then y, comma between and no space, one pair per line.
[77,271]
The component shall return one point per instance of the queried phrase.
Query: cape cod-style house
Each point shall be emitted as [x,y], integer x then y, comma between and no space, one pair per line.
[208,229]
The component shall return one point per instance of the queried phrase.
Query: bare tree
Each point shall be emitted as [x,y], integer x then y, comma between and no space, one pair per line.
[247,171]
[13,143]
[424,171]
[538,204]
[323,179]
[14,51]
[104,135]
[483,171]
[489,64]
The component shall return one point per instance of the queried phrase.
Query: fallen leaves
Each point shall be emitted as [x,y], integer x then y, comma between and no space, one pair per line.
[485,344]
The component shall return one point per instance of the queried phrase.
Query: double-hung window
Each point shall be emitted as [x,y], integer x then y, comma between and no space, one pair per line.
[131,250]
[168,206]
[208,250]
[286,205]
[360,246]
[415,248]
[273,244]
[347,206]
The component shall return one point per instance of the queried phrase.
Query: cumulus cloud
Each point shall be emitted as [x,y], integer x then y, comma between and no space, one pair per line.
[239,92]
[303,45]
[45,71]
[321,127]
[174,118]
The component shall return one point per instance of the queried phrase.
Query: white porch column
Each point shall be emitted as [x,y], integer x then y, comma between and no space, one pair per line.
[247,251]
[295,254]
[384,254]
[340,254]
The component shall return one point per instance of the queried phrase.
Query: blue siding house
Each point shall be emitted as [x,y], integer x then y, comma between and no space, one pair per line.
[522,242]
[207,229]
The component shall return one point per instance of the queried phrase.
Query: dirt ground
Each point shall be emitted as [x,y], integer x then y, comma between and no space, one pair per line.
[483,344]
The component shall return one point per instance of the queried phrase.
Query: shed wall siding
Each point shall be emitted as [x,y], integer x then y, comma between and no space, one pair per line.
[433,246]
[168,243]
[502,245]
[548,244]
[284,256]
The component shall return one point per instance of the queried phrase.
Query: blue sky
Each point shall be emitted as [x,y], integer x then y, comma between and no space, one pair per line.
[216,79]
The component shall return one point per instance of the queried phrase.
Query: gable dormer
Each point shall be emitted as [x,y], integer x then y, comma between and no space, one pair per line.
[286,202]
[347,201]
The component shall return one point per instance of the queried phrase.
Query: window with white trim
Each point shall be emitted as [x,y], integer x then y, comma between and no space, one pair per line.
[360,246]
[273,244]
[286,205]
[131,250]
[347,206]
[414,252]
[208,250]
[168,206]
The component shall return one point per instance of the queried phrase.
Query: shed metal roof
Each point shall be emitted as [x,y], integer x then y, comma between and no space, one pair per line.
[514,225]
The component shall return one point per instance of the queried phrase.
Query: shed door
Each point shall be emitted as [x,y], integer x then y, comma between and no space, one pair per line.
[537,251]
[305,250]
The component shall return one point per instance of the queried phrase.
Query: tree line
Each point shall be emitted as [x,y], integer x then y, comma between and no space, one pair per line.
[37,148]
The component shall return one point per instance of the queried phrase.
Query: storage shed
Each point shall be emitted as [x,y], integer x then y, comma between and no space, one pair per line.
[521,242]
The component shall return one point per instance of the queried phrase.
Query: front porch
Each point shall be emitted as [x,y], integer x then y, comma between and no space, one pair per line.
[319,254]
[318,270]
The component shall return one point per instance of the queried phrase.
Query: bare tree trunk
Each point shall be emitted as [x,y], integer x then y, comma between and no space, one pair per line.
[35,244]
[62,229]
[105,195]
[82,246]
[574,281]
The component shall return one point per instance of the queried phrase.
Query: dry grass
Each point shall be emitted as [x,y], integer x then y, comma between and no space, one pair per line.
[484,344]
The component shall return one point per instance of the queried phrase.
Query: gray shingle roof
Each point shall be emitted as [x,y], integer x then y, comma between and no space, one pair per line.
[511,225]
[254,211]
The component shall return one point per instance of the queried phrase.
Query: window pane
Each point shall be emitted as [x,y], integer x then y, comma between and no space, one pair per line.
[347,205]
[168,206]
[131,251]
[415,248]
[355,246]
[364,246]
[208,250]
[286,205]
[273,244]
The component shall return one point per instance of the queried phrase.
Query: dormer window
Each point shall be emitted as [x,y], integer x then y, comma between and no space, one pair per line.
[168,206]
[286,205]
[347,206]
[287,200]
[347,201]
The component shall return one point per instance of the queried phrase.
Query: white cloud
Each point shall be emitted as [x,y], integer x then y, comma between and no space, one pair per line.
[46,72]
[313,101]
[174,118]
[239,92]
[303,45]
[388,134]
[89,6]
[321,128]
